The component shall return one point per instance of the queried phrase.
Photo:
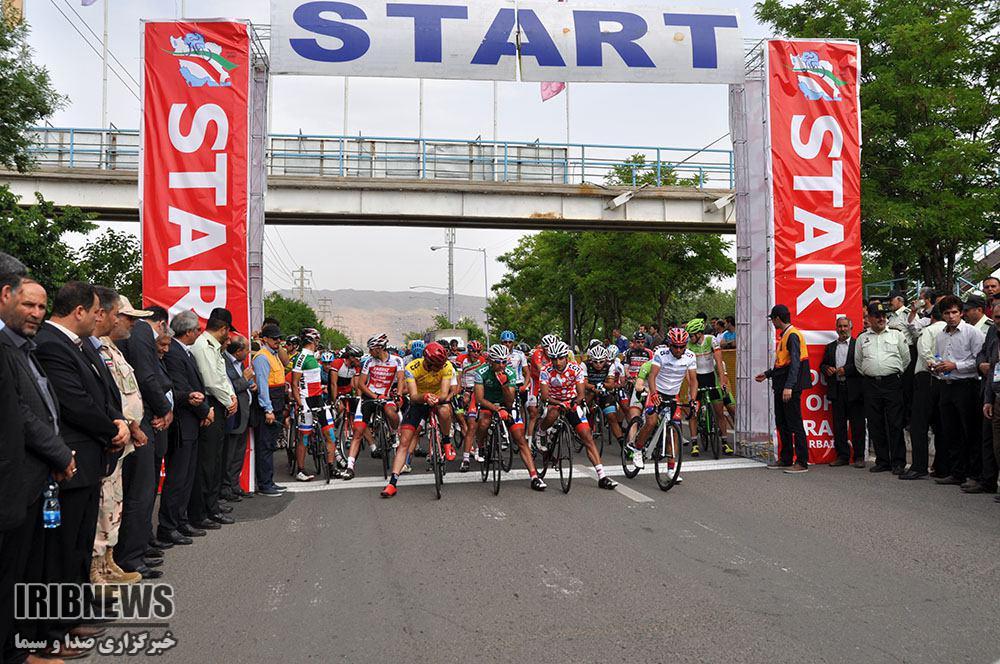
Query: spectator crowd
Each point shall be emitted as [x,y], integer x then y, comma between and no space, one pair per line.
[94,400]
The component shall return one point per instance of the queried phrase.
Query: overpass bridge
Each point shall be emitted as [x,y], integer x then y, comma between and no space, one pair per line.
[360,180]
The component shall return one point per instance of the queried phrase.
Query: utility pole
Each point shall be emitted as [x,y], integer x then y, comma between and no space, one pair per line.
[450,239]
[301,280]
[104,76]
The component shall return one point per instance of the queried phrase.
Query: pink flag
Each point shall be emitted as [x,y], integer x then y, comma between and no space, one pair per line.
[550,90]
[87,3]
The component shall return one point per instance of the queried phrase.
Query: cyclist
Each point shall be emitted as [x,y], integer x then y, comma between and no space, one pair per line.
[670,367]
[495,395]
[468,363]
[711,375]
[428,383]
[379,378]
[416,351]
[561,388]
[536,361]
[601,383]
[516,360]
[634,357]
[307,393]
[343,374]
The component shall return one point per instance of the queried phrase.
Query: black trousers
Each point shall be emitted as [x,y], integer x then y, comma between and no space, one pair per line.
[926,393]
[236,445]
[22,555]
[961,430]
[264,444]
[908,386]
[139,479]
[791,432]
[208,478]
[988,475]
[182,465]
[849,412]
[884,413]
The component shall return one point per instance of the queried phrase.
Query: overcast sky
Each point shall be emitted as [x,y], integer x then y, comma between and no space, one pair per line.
[664,115]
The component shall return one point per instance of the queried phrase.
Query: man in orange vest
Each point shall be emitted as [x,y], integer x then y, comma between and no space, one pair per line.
[270,375]
[789,377]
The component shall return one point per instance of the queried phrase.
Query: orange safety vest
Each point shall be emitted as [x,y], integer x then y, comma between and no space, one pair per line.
[277,376]
[782,357]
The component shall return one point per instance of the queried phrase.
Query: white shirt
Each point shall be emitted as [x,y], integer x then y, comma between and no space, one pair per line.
[672,370]
[73,336]
[517,361]
[960,346]
[841,353]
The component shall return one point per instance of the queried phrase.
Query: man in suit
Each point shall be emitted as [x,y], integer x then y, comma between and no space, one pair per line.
[90,422]
[141,470]
[845,390]
[192,413]
[236,436]
[29,416]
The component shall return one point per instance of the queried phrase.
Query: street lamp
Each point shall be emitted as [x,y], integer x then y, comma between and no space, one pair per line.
[451,282]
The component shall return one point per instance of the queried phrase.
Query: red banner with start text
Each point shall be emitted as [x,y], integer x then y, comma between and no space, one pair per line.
[194,171]
[815,163]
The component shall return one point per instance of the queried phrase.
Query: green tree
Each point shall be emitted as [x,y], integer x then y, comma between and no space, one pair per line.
[113,259]
[930,93]
[34,234]
[294,315]
[712,301]
[25,89]
[637,172]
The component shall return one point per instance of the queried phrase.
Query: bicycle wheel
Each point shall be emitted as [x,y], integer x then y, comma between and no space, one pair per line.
[600,430]
[384,443]
[434,450]
[495,460]
[506,456]
[628,463]
[565,458]
[632,430]
[712,430]
[667,460]
[344,431]
[486,453]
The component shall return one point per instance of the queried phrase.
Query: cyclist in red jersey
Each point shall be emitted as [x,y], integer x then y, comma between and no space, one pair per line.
[468,364]
[379,376]
[536,361]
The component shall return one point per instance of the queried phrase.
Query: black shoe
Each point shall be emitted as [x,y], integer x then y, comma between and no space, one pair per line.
[464,466]
[240,493]
[898,470]
[157,543]
[184,540]
[233,498]
[951,480]
[376,453]
[218,517]
[913,475]
[607,483]
[148,573]
[225,509]
[207,524]
[839,462]
[419,452]
[996,499]
[190,531]
[879,469]
[152,562]
[537,484]
[153,552]
[348,474]
[968,484]
[976,488]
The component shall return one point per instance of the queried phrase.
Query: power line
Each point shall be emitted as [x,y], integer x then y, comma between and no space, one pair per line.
[277,258]
[282,241]
[101,41]
[96,52]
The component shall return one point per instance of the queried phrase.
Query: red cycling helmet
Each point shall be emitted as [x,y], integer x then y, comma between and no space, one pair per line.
[677,336]
[476,346]
[435,354]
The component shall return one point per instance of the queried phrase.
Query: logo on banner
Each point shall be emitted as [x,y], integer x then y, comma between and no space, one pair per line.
[201,62]
[817,80]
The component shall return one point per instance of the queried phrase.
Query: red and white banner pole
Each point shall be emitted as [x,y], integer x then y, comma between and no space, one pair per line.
[815,165]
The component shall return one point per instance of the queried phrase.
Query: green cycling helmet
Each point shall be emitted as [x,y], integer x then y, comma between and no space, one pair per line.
[695,325]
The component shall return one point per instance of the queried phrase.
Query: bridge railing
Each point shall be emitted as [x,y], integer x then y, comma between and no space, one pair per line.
[434,159]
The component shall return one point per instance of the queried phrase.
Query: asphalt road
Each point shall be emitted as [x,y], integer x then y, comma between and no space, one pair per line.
[735,565]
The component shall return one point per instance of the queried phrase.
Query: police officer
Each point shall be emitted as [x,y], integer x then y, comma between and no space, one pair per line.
[789,377]
[881,356]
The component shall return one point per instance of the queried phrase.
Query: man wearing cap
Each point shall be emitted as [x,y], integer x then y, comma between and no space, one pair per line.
[882,356]
[789,376]
[269,371]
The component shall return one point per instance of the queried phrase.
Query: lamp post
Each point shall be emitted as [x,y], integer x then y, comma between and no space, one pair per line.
[486,283]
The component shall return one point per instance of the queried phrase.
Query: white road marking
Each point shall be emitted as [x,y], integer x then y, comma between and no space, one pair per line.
[421,478]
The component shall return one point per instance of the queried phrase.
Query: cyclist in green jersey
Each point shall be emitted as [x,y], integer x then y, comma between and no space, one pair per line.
[711,375]
[495,391]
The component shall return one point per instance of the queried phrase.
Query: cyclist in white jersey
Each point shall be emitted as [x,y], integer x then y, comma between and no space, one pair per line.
[672,365]
[711,377]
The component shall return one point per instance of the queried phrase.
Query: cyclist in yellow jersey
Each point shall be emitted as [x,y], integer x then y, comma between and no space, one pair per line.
[429,384]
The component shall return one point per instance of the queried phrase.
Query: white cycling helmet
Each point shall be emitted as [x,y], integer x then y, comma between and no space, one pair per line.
[549,339]
[598,353]
[557,350]
[498,353]
[378,341]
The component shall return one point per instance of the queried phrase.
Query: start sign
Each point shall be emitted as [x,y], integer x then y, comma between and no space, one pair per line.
[491,39]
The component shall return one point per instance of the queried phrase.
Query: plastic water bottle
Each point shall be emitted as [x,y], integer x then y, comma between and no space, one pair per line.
[51,512]
[939,359]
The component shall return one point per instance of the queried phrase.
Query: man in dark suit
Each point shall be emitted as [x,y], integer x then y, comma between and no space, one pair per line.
[29,414]
[192,411]
[141,470]
[90,422]
[241,377]
[845,390]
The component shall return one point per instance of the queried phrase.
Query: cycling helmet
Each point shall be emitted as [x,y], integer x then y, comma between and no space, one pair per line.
[695,325]
[352,351]
[557,350]
[392,349]
[678,336]
[292,341]
[593,344]
[549,339]
[309,334]
[327,356]
[523,347]
[476,346]
[639,336]
[499,353]
[435,354]
[378,341]
[612,351]
[417,348]
[507,335]
[598,353]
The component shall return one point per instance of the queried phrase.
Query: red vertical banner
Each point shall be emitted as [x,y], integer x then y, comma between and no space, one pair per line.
[194,173]
[815,164]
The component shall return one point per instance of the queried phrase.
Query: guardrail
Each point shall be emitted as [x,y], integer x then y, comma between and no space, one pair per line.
[437,159]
